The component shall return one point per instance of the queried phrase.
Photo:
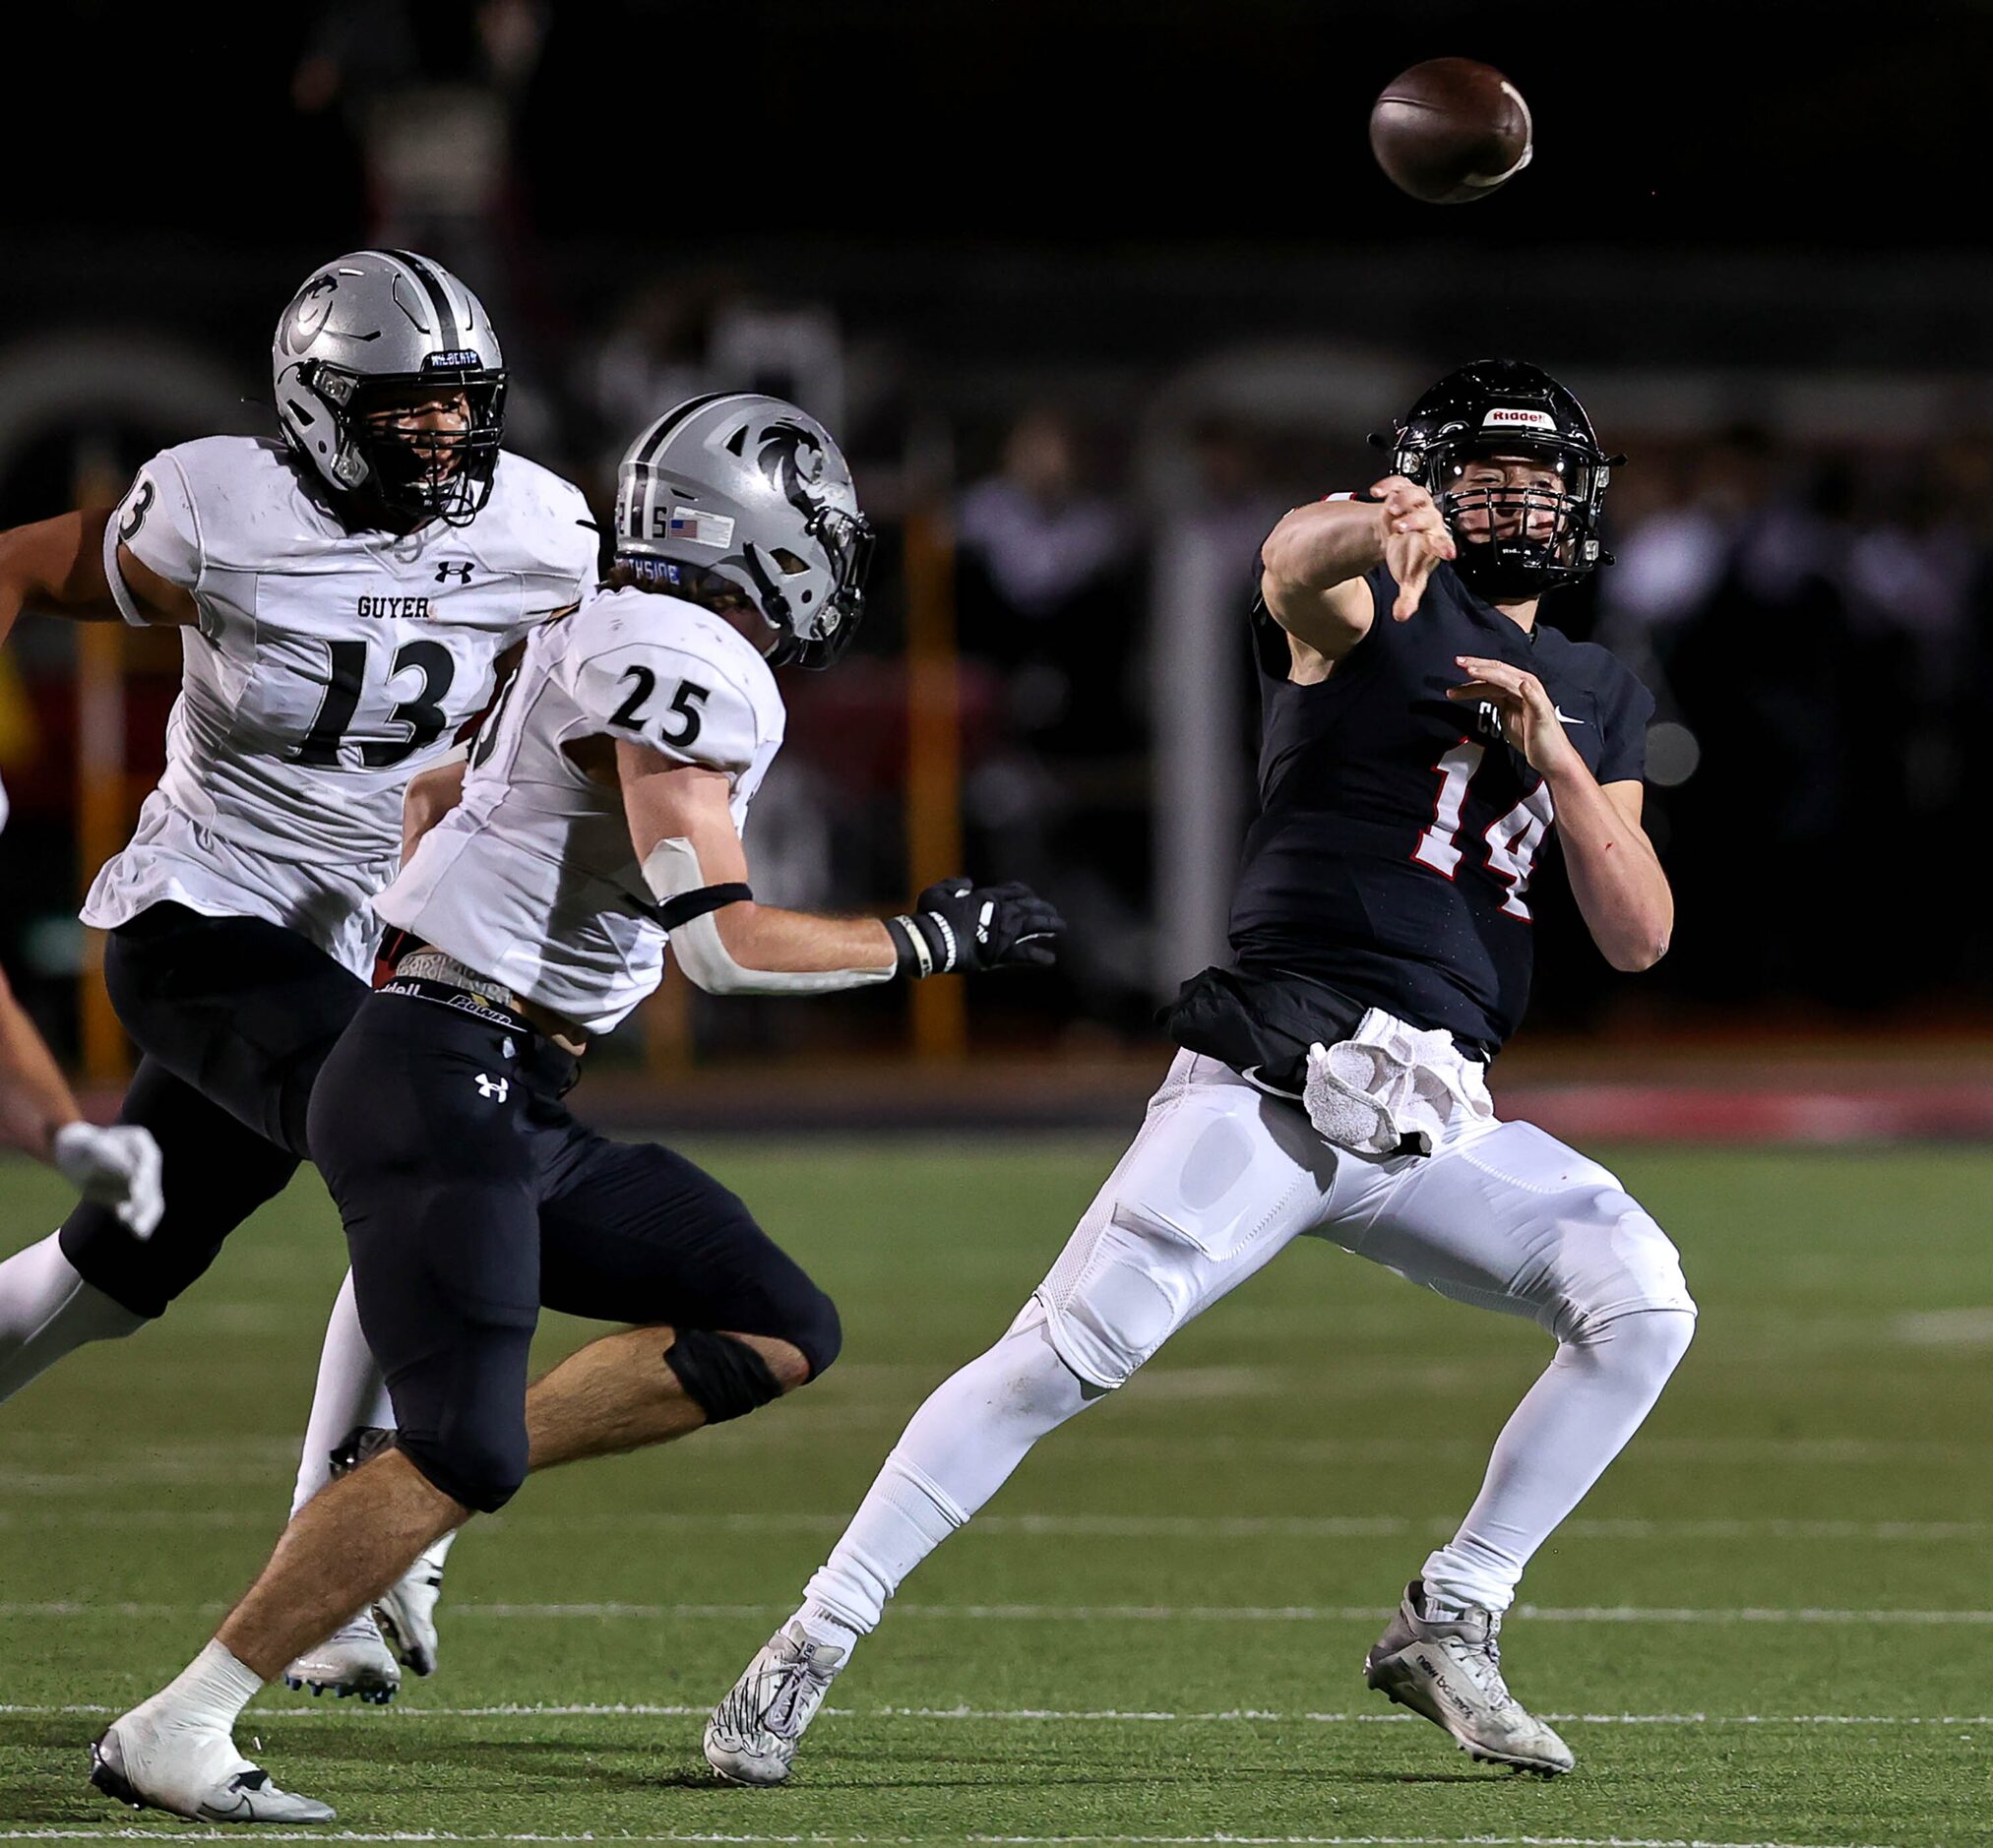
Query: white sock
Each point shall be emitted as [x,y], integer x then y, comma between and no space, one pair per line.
[825,1628]
[351,1392]
[47,1310]
[1571,1424]
[959,1448]
[211,1691]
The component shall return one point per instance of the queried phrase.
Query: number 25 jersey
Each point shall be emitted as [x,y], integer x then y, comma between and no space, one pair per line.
[532,879]
[327,668]
[1391,855]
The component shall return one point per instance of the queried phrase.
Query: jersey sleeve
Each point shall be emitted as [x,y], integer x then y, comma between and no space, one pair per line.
[156,522]
[684,705]
[582,539]
[1628,709]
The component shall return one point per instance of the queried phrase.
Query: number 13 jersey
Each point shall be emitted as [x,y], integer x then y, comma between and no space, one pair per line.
[532,879]
[326,669]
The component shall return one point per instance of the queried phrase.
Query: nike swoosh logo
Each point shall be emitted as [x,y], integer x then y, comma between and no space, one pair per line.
[1567,718]
[1251,1075]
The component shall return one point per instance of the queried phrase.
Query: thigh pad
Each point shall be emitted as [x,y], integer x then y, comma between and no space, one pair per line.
[1219,1181]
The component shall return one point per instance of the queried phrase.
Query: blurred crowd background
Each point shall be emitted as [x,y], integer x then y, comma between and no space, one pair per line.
[1094,292]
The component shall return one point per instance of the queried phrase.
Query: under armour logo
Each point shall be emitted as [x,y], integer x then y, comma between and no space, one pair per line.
[461,566]
[493,1088]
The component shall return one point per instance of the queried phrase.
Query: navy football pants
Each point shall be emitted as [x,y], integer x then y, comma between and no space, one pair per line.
[233,1017]
[471,1199]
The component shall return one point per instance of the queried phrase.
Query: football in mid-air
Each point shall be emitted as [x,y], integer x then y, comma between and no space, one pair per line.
[1451,130]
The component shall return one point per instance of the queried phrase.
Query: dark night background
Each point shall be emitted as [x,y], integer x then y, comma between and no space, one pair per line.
[1040,250]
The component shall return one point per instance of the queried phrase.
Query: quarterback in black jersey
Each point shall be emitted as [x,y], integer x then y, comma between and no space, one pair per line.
[1422,734]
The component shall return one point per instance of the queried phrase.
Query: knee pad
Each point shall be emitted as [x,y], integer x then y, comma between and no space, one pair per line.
[1620,1264]
[482,1468]
[1124,1286]
[1214,1187]
[723,1377]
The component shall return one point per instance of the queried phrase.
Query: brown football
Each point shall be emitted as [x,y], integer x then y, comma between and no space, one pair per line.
[1451,130]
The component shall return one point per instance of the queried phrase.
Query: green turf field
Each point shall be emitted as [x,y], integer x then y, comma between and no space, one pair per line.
[1771,1623]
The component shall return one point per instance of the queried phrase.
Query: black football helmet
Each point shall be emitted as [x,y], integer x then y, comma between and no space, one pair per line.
[1504,406]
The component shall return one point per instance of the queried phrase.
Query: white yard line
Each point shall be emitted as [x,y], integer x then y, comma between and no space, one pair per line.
[1088,1612]
[1121,1717]
[1104,1526]
[1229,1839]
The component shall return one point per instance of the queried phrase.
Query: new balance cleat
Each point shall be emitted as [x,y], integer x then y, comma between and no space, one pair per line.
[753,1734]
[352,1660]
[1449,1670]
[407,1610]
[152,1763]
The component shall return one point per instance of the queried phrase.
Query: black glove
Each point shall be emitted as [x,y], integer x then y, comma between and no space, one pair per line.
[956,927]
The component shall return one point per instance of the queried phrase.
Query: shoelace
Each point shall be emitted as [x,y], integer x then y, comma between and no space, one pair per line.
[798,1677]
[1483,1663]
[744,1710]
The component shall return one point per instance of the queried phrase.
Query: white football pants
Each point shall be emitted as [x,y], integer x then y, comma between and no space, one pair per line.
[1220,1180]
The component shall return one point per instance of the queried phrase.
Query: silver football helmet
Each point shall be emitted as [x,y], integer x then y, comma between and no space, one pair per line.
[747,489]
[375,322]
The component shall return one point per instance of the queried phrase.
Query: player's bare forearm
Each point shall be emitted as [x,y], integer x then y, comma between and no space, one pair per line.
[1316,547]
[1615,875]
[57,566]
[1313,563]
[34,1099]
[682,830]
[427,799]
[1311,571]
[805,943]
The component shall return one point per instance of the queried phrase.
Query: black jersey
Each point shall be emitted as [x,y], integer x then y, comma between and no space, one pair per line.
[1391,860]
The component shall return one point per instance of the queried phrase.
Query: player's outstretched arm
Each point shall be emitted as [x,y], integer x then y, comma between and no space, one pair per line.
[1615,875]
[682,830]
[119,1166]
[1312,565]
[58,566]
[34,1099]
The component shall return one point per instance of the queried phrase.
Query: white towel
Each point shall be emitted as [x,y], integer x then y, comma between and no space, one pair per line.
[1387,1084]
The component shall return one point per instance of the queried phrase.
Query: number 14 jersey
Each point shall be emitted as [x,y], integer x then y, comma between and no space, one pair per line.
[327,668]
[532,879]
[1397,834]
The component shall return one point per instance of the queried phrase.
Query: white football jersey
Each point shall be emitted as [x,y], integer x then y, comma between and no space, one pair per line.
[532,879]
[328,668]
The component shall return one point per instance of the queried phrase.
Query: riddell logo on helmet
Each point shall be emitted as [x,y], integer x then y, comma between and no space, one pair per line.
[1516,418]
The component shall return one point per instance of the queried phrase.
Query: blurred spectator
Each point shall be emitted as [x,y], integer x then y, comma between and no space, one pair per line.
[428,90]
[1049,602]
[678,337]
[1041,539]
